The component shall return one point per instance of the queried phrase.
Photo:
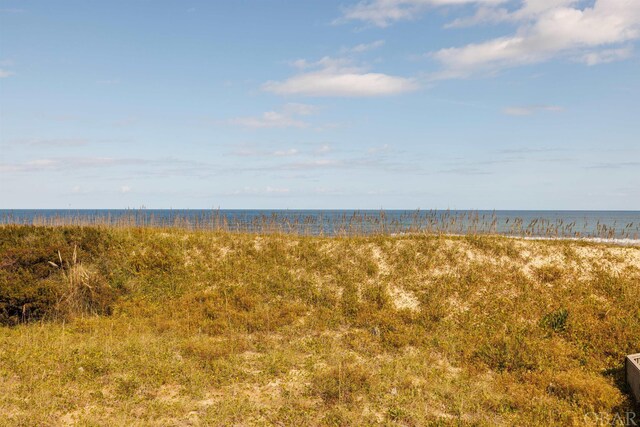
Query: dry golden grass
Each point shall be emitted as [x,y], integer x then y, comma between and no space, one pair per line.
[215,328]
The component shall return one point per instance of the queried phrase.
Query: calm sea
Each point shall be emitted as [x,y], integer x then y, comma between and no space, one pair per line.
[593,224]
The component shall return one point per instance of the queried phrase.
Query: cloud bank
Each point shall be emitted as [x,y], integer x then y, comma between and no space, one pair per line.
[592,32]
[528,110]
[546,29]
[383,13]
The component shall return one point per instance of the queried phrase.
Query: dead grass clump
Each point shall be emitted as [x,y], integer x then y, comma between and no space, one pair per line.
[510,352]
[587,391]
[434,305]
[81,290]
[549,273]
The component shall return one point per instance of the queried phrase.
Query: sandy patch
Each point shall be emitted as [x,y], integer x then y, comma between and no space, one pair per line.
[403,299]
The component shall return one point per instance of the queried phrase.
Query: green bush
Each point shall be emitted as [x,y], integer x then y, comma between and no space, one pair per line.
[556,320]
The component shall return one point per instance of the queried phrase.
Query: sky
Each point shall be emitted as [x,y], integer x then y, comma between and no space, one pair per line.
[253,104]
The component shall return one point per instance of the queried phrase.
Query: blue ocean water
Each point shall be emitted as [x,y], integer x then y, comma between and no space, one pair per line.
[593,224]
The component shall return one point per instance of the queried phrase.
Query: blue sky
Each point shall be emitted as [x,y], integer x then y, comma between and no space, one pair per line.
[396,104]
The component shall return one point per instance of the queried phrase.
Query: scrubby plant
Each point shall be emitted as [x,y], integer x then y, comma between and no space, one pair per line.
[556,320]
[41,274]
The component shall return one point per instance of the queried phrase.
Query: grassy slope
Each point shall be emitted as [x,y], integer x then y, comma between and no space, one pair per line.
[213,328]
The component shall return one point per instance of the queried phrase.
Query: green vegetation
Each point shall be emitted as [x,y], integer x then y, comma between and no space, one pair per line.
[152,326]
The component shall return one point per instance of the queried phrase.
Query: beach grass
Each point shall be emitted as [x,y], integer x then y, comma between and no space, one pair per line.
[169,326]
[621,229]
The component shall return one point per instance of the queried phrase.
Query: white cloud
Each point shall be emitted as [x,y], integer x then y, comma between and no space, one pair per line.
[363,47]
[326,63]
[341,84]
[269,119]
[380,149]
[297,109]
[286,117]
[528,110]
[253,191]
[606,55]
[484,15]
[41,163]
[277,190]
[127,121]
[546,29]
[5,73]
[491,14]
[339,77]
[251,152]
[323,149]
[312,164]
[593,32]
[289,152]
[382,13]
[67,164]
[125,189]
[50,142]
[81,190]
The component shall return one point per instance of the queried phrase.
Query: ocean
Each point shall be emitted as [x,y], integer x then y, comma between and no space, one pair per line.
[609,225]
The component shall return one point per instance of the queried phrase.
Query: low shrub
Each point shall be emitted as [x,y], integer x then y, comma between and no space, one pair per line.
[41,273]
